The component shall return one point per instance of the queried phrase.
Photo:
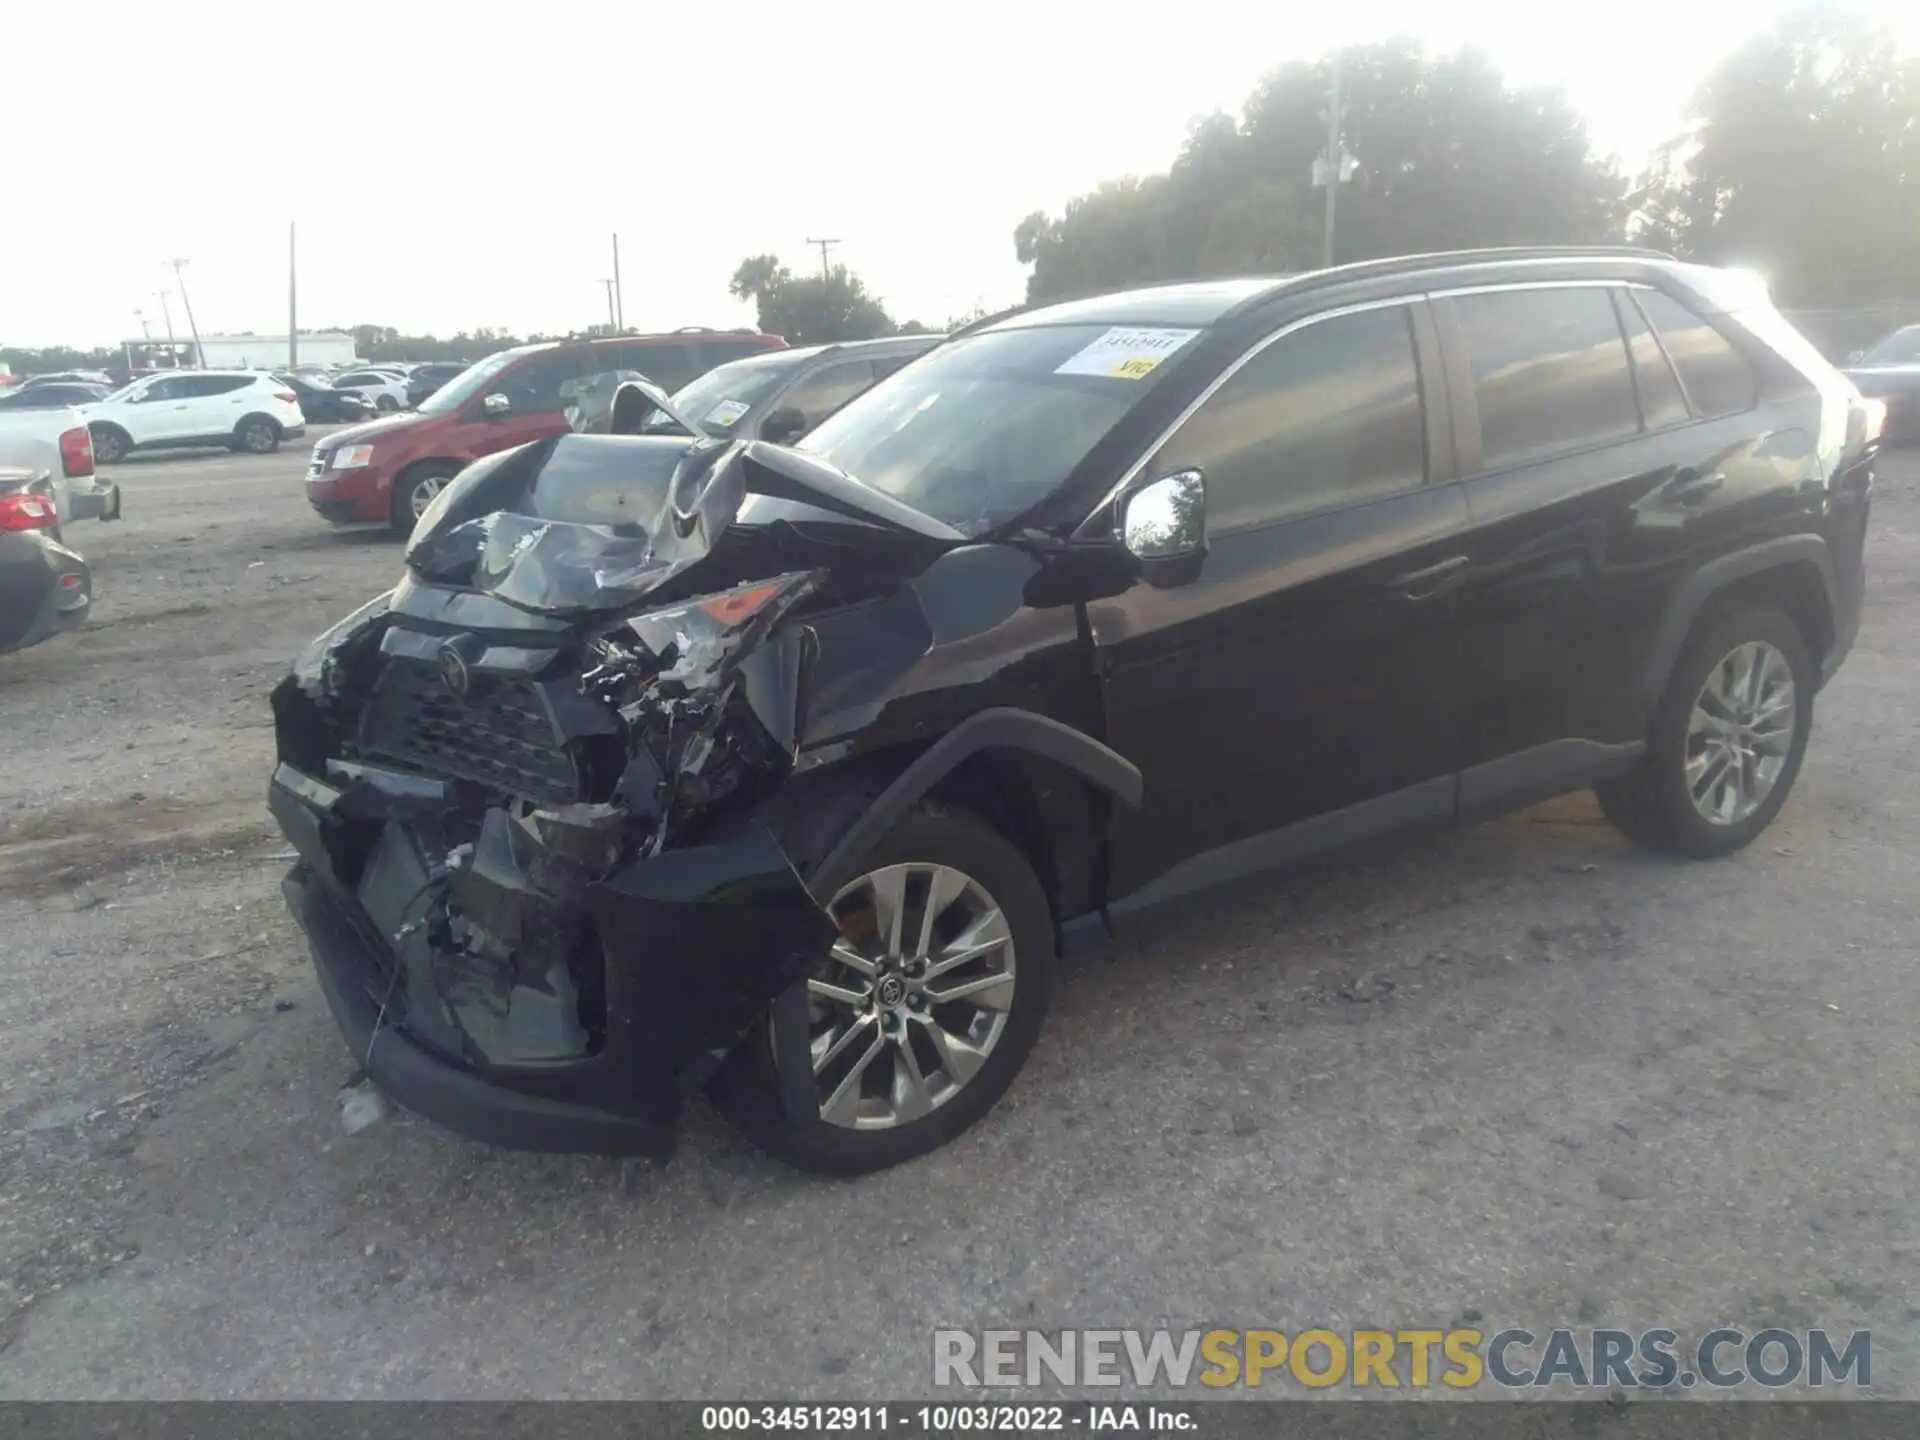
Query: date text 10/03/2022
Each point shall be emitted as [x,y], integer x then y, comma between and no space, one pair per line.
[945,1419]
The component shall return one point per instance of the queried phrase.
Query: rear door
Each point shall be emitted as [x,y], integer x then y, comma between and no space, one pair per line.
[1589,480]
[216,403]
[1304,688]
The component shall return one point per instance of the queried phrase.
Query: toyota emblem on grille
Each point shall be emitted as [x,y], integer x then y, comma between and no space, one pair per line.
[453,670]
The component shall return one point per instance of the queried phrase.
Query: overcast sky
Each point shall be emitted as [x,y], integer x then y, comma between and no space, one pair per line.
[458,165]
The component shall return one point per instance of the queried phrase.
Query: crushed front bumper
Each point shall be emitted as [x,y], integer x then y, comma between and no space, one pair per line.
[696,943]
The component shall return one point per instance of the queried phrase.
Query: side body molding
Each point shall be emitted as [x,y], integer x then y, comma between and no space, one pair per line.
[1001,727]
[1715,575]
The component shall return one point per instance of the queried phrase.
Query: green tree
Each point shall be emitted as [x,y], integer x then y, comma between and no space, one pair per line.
[810,309]
[1449,157]
[1801,160]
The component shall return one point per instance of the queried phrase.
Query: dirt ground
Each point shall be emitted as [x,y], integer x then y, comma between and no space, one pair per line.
[1520,1074]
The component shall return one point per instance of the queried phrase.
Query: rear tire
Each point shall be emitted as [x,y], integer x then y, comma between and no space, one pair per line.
[1665,803]
[880,1122]
[386,405]
[256,435]
[414,491]
[110,444]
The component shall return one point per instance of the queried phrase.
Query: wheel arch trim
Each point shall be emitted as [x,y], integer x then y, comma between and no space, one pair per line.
[1714,577]
[1000,727]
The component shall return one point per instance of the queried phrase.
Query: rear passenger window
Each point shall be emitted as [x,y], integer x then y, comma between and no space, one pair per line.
[1661,403]
[1717,377]
[1549,372]
[1324,416]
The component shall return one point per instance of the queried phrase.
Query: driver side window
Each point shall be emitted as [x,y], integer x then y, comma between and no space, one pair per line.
[534,385]
[1323,416]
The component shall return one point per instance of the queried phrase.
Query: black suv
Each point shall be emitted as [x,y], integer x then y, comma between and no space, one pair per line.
[675,761]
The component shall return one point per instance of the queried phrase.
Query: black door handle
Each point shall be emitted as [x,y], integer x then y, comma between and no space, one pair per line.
[1434,580]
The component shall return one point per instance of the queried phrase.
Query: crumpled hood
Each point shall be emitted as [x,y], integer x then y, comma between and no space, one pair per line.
[585,523]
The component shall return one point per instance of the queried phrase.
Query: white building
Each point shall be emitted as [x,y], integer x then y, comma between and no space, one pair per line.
[262,352]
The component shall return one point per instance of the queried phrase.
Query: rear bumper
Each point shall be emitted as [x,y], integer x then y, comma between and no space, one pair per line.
[56,585]
[101,501]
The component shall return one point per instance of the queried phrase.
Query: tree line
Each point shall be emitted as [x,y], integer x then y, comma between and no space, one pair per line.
[1799,157]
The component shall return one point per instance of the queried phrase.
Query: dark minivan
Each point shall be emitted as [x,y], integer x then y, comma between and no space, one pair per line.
[675,761]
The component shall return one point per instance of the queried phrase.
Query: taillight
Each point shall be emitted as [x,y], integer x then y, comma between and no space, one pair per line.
[76,451]
[27,512]
[286,395]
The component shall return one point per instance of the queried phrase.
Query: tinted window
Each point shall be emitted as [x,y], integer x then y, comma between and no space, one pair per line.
[709,353]
[818,395]
[534,385]
[171,387]
[1661,403]
[1716,375]
[1326,415]
[197,385]
[886,365]
[668,366]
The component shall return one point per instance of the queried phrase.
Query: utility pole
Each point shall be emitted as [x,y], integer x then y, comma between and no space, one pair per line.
[610,310]
[199,355]
[619,299]
[1332,176]
[293,303]
[825,245]
[146,330]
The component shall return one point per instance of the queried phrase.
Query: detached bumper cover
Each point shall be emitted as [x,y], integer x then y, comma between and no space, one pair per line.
[695,943]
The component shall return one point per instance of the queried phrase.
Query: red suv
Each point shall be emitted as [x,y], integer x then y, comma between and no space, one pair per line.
[389,469]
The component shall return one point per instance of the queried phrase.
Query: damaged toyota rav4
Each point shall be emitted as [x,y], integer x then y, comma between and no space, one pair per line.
[786,771]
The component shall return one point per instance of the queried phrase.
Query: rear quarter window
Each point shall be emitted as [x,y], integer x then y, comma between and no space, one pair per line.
[1717,378]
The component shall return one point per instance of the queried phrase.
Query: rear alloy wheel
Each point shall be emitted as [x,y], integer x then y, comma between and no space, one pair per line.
[258,437]
[386,404]
[109,445]
[922,1013]
[1727,739]
[415,491]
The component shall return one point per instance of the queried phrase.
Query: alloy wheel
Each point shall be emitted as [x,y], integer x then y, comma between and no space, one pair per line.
[1740,733]
[258,439]
[423,492]
[912,998]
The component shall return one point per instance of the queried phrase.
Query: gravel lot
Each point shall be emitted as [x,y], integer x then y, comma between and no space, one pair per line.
[1521,1071]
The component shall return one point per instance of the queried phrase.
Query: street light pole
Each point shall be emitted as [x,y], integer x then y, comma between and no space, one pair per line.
[619,297]
[610,310]
[167,311]
[199,355]
[293,306]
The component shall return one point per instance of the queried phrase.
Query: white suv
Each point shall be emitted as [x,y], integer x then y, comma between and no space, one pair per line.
[241,409]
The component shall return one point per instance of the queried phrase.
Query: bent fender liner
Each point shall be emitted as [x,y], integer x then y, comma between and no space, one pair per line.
[989,729]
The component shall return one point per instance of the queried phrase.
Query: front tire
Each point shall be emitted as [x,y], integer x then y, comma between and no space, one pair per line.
[1726,741]
[414,491]
[386,405]
[925,1011]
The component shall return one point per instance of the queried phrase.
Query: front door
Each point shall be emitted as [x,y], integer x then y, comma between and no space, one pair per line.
[1304,688]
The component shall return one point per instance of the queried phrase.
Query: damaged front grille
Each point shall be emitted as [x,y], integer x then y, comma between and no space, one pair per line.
[501,736]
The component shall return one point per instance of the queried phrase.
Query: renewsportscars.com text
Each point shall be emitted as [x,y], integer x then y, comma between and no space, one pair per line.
[1417,1359]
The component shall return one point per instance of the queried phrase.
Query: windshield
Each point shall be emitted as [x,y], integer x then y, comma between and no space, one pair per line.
[469,382]
[717,400]
[1900,348]
[983,428]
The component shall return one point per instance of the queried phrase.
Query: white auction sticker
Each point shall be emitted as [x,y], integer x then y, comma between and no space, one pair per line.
[1125,353]
[727,412]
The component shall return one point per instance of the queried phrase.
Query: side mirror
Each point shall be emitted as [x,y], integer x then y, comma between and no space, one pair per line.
[1163,525]
[495,405]
[783,426]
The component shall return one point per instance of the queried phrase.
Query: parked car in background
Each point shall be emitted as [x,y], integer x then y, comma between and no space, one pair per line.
[45,587]
[1890,373]
[56,395]
[386,390]
[54,443]
[241,409]
[792,785]
[66,377]
[424,380]
[389,471]
[324,405]
[781,395]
